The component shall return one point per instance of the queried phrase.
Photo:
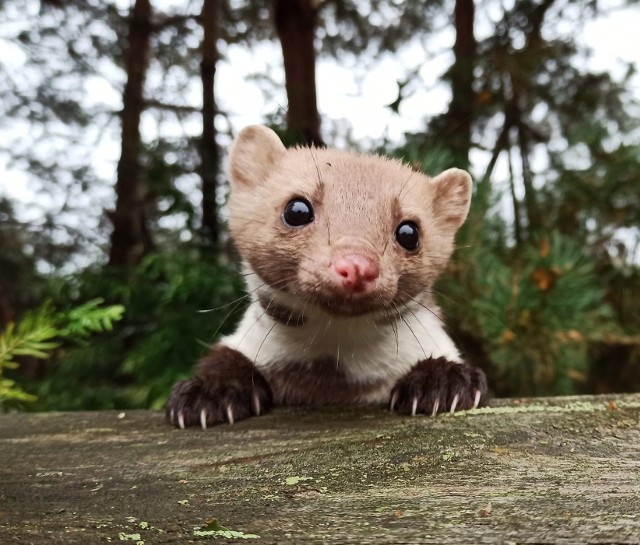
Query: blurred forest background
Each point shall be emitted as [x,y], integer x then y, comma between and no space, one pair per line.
[106,275]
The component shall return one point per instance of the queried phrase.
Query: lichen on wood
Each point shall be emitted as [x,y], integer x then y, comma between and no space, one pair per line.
[561,470]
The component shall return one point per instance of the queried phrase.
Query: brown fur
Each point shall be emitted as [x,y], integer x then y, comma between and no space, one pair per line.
[358,203]
[320,383]
[280,313]
[224,378]
[437,381]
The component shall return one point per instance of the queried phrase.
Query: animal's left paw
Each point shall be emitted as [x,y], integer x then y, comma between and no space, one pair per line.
[437,385]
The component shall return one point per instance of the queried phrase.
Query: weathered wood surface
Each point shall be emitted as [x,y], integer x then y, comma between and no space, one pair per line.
[544,471]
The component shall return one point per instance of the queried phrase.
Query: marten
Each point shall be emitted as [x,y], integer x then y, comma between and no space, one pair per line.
[340,252]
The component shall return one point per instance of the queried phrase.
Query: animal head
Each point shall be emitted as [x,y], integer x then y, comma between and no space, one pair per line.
[350,233]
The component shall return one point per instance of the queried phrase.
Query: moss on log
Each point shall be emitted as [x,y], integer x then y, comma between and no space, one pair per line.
[564,470]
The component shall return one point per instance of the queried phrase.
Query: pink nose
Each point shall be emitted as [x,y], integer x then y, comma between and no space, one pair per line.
[355,272]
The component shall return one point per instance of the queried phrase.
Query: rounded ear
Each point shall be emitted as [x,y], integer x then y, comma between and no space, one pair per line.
[452,196]
[253,155]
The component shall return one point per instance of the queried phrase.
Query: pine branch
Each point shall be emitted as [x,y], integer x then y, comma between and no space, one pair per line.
[90,318]
[41,331]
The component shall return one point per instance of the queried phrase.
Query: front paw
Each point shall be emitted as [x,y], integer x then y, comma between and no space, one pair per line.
[227,388]
[437,385]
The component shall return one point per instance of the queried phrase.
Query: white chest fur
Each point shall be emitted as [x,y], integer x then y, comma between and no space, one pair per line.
[370,348]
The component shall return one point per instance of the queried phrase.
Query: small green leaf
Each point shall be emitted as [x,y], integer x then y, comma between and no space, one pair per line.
[128,537]
[296,479]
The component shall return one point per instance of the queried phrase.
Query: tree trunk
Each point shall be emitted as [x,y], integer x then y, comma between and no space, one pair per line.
[131,238]
[460,112]
[209,149]
[519,83]
[295,22]
[531,205]
[517,227]
[7,313]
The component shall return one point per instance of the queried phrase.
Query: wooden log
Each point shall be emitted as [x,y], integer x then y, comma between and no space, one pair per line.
[561,470]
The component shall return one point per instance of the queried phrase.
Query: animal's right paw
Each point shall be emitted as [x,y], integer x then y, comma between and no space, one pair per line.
[227,388]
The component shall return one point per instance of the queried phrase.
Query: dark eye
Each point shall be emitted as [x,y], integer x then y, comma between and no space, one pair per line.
[408,236]
[298,212]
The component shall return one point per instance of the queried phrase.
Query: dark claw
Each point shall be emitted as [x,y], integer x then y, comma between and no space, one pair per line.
[437,385]
[227,388]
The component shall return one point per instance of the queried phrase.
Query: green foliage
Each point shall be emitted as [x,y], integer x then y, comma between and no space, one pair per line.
[89,318]
[42,331]
[177,303]
[533,311]
[423,154]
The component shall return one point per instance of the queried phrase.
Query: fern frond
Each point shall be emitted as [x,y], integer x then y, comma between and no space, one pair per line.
[91,318]
[41,331]
[33,337]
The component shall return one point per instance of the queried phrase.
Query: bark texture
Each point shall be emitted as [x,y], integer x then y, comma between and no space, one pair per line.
[561,470]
